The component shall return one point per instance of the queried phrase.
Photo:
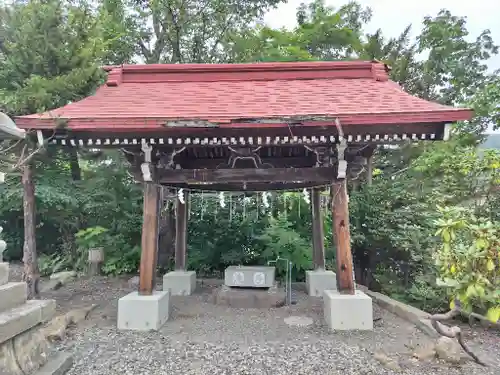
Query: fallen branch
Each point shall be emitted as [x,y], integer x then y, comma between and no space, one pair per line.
[453,332]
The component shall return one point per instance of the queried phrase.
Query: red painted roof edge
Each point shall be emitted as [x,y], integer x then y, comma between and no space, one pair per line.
[112,124]
[237,67]
[265,66]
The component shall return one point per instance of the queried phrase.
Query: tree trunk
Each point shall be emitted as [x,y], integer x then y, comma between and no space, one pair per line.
[369,171]
[30,273]
[76,173]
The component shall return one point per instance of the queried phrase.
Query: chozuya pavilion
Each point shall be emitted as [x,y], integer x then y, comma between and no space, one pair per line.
[246,127]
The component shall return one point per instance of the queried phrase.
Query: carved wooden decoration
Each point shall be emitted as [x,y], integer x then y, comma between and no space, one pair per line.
[244,153]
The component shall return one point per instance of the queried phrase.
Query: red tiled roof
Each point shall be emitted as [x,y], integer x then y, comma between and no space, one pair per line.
[145,96]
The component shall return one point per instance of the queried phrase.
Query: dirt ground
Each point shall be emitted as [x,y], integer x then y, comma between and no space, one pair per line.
[202,338]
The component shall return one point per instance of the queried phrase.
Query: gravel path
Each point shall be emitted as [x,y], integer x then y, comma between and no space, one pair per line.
[205,339]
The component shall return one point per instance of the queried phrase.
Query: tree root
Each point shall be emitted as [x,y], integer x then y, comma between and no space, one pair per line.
[453,332]
[484,320]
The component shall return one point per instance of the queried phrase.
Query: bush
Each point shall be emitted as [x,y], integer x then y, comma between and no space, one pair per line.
[469,260]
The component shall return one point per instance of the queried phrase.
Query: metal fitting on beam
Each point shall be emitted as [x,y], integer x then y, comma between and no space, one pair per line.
[342,163]
[146,166]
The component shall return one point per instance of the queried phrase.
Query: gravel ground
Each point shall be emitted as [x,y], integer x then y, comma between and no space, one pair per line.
[205,339]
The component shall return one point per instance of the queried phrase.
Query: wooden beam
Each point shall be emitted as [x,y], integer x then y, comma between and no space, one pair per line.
[340,214]
[149,243]
[182,210]
[318,130]
[250,187]
[317,231]
[276,162]
[192,176]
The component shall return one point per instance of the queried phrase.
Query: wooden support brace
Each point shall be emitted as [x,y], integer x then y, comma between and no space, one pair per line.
[340,214]
[149,243]
[317,230]
[181,233]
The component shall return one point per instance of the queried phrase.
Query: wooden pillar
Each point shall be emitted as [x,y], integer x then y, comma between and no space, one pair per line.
[317,231]
[181,233]
[340,215]
[149,243]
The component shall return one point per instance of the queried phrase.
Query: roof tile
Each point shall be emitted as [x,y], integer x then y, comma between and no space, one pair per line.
[356,92]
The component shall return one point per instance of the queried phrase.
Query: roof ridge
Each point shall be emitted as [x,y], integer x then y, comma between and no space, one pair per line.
[268,71]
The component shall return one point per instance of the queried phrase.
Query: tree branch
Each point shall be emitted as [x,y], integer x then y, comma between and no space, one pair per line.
[453,332]
[176,45]
[219,39]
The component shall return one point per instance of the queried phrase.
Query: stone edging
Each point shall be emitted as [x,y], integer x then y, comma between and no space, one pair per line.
[58,365]
[409,313]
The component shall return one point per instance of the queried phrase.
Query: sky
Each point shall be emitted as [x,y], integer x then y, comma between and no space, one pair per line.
[392,16]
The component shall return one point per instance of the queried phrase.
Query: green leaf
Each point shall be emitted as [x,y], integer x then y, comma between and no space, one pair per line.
[490,265]
[493,314]
[447,282]
[452,304]
[446,235]
[471,291]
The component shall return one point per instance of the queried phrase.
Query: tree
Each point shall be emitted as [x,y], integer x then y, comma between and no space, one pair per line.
[455,68]
[323,33]
[51,53]
[173,31]
[44,70]
[486,105]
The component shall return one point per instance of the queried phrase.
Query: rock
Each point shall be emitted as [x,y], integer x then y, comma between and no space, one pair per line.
[449,350]
[425,353]
[133,282]
[63,276]
[55,330]
[79,315]
[51,285]
[387,362]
